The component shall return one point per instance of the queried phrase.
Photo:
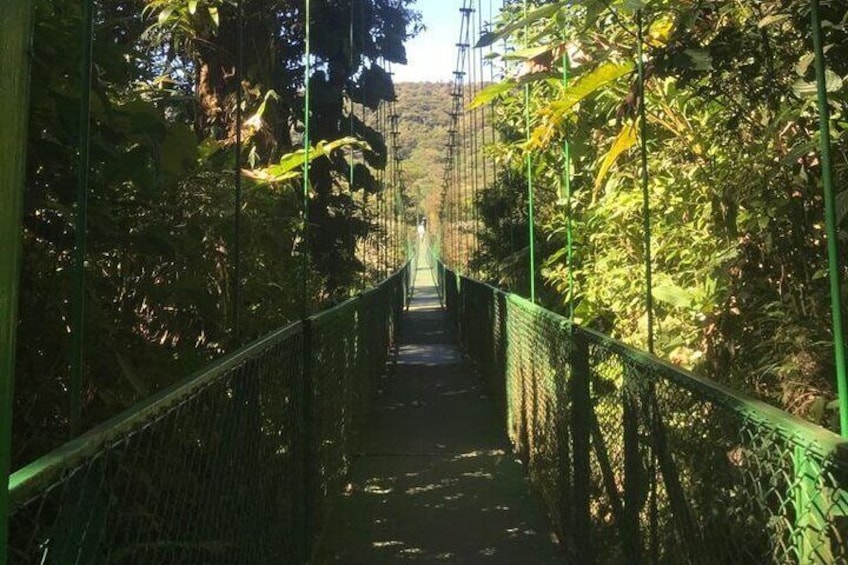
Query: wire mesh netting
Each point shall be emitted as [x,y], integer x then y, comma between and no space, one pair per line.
[638,460]
[237,464]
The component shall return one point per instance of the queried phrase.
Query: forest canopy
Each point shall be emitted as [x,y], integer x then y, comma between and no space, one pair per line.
[172,81]
[740,285]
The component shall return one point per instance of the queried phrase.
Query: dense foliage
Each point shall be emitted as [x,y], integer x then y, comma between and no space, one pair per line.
[740,281]
[159,268]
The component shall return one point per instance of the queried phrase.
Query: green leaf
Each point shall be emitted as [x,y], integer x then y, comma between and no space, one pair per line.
[165,14]
[804,63]
[672,294]
[491,92]
[625,139]
[772,19]
[192,7]
[841,206]
[533,16]
[286,169]
[589,84]
[699,59]
[213,13]
[833,83]
[530,53]
[179,151]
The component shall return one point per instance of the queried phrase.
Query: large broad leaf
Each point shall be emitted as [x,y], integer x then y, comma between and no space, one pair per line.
[625,139]
[587,85]
[555,114]
[532,17]
[179,152]
[833,83]
[290,163]
[491,92]
[673,295]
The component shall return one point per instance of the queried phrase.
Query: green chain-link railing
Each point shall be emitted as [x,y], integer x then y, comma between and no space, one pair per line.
[234,465]
[640,461]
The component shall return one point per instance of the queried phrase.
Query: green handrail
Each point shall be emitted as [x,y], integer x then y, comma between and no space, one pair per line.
[748,483]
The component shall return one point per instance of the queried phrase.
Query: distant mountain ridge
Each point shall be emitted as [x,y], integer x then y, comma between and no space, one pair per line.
[424,109]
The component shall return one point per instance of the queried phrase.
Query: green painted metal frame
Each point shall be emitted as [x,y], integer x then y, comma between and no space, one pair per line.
[307,109]
[531,204]
[817,457]
[237,196]
[834,268]
[569,210]
[48,474]
[646,191]
[15,44]
[81,220]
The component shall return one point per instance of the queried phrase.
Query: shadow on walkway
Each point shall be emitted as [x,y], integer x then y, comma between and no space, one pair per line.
[435,479]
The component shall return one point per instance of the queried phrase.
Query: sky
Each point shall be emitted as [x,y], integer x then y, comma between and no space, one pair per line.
[432,54]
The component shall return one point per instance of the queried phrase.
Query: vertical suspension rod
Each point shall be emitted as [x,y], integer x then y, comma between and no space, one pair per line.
[569,236]
[237,178]
[306,148]
[832,227]
[646,195]
[14,99]
[531,212]
[81,223]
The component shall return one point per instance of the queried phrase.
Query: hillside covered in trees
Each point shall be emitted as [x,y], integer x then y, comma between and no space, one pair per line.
[424,109]
[425,120]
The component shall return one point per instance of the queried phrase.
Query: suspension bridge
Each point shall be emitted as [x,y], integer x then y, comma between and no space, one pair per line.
[432,417]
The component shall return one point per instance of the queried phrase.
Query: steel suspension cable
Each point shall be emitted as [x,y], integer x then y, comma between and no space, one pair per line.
[472,131]
[482,110]
[832,225]
[381,109]
[475,157]
[531,212]
[306,148]
[393,117]
[566,178]
[379,235]
[467,140]
[350,71]
[81,224]
[236,284]
[646,194]
[14,99]
[649,298]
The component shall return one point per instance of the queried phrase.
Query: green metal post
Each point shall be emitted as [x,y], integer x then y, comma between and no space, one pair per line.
[566,157]
[531,212]
[649,295]
[14,96]
[646,195]
[238,187]
[830,221]
[81,244]
[581,415]
[306,141]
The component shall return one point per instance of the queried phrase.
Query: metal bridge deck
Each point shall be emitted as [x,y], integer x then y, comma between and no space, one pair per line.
[435,479]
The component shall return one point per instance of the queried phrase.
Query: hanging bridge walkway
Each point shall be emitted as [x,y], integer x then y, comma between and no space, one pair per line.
[363,434]
[434,477]
[432,418]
